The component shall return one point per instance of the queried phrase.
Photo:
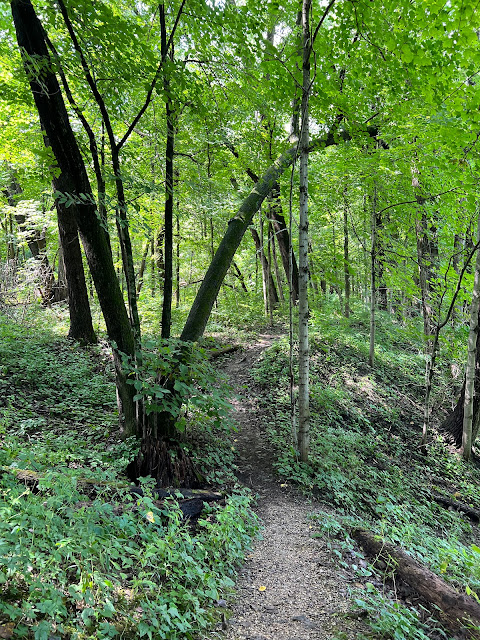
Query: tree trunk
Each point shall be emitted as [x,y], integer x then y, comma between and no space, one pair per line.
[303,312]
[468,436]
[264,263]
[456,610]
[373,290]
[169,179]
[81,325]
[274,214]
[346,261]
[382,297]
[73,180]
[272,248]
[177,267]
[143,264]
[269,289]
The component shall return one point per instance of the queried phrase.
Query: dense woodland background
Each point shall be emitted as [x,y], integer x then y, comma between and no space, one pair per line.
[149,188]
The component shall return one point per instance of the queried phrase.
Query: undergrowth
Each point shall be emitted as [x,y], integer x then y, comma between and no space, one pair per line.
[365,458]
[100,563]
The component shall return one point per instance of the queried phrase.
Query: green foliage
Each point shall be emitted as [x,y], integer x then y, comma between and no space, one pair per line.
[393,621]
[365,459]
[102,569]
[176,377]
[89,559]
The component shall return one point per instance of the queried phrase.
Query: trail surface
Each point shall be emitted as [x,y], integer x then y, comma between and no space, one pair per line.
[306,592]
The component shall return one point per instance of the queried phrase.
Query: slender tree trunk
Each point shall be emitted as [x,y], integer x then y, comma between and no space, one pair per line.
[177,266]
[373,269]
[303,312]
[283,239]
[346,260]
[153,265]
[265,269]
[269,290]
[272,244]
[169,180]
[143,265]
[469,435]
[380,263]
[81,325]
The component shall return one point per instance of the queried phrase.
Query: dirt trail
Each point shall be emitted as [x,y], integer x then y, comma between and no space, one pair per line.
[306,593]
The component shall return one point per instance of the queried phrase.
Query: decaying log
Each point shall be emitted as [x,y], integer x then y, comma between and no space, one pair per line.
[472,513]
[458,611]
[190,501]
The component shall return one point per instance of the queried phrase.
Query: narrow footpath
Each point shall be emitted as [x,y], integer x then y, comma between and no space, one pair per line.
[291,587]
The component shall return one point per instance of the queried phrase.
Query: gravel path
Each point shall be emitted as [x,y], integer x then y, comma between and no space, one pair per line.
[290,587]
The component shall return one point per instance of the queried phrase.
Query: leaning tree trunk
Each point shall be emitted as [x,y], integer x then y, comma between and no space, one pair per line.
[73,180]
[459,612]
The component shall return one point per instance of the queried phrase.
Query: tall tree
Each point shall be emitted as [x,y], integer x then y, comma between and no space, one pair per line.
[303,347]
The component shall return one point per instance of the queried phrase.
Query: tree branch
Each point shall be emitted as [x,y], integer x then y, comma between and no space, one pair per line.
[154,81]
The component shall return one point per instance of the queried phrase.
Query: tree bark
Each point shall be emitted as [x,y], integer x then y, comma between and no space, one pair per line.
[169,181]
[274,214]
[272,249]
[457,609]
[73,180]
[469,435]
[303,280]
[143,264]
[270,291]
[346,260]
[373,270]
[81,325]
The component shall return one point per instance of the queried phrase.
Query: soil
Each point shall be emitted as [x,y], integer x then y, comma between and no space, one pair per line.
[291,586]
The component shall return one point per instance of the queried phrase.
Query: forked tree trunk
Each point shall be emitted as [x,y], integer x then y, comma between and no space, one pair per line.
[73,179]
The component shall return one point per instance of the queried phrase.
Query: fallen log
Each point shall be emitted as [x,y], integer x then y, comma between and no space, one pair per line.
[472,513]
[190,501]
[216,353]
[458,611]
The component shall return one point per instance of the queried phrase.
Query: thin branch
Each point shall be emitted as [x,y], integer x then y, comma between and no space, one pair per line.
[426,199]
[154,81]
[322,20]
[457,290]
[88,75]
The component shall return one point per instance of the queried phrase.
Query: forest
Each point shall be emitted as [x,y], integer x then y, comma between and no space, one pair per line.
[239,282]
